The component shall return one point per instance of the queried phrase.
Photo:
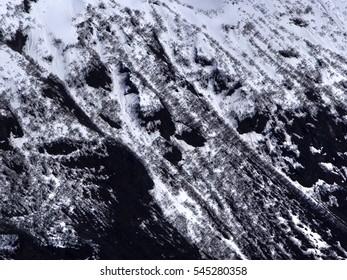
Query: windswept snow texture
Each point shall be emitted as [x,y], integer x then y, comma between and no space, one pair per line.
[173,129]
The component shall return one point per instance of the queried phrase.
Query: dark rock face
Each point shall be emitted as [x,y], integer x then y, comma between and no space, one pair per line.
[318,138]
[8,126]
[323,132]
[192,137]
[135,227]
[166,126]
[132,231]
[157,49]
[98,77]
[299,22]
[25,247]
[111,122]
[18,42]
[174,156]
[203,61]
[235,87]
[60,147]
[220,81]
[54,89]
[289,53]
[27,5]
[256,123]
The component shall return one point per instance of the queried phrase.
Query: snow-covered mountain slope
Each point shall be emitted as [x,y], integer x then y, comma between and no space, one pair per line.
[173,129]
